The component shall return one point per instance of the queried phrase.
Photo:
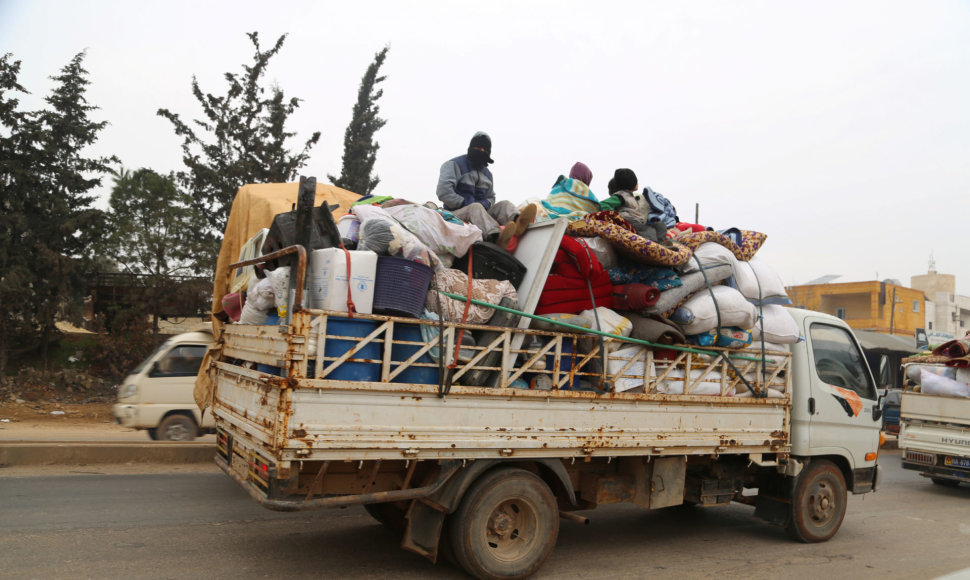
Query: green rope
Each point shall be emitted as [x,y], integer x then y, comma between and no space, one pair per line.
[597,332]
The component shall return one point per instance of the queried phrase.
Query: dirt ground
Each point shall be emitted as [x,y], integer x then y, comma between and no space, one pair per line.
[57,413]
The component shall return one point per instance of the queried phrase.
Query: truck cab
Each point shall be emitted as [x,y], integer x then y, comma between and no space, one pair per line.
[157,395]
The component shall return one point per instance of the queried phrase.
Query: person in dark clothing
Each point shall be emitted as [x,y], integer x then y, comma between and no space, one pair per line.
[466,179]
[465,187]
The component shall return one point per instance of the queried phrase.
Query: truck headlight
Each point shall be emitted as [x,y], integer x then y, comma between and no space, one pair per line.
[127,391]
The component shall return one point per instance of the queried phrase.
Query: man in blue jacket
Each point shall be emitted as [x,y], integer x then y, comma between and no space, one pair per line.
[466,179]
[465,189]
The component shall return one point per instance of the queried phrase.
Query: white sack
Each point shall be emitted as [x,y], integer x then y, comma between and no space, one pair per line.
[259,300]
[933,384]
[759,283]
[609,321]
[618,359]
[699,315]
[779,326]
[710,254]
[913,370]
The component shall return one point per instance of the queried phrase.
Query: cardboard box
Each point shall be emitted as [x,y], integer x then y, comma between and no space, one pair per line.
[328,279]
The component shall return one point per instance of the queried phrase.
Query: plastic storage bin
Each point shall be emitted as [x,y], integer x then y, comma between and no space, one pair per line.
[328,279]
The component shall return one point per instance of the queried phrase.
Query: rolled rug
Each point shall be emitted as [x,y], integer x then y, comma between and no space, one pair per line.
[691,283]
[634,296]
[954,348]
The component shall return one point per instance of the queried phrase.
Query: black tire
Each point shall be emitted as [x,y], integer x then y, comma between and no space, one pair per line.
[177,428]
[389,514]
[818,503]
[945,482]
[153,434]
[506,526]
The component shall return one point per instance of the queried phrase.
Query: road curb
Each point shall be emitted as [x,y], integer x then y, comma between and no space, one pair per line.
[79,453]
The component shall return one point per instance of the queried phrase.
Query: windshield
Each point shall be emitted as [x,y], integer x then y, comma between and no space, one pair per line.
[838,361]
[141,366]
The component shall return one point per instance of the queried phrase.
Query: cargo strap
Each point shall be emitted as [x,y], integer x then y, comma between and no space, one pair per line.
[717,334]
[351,309]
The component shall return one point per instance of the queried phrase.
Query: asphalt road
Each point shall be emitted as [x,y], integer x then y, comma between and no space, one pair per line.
[98,522]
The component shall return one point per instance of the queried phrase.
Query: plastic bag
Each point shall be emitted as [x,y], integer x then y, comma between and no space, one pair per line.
[381,233]
[439,236]
[259,300]
[933,384]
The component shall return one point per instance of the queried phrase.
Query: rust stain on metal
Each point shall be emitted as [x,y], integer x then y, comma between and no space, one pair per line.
[299,433]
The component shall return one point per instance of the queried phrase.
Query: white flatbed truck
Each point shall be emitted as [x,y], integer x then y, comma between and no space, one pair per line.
[484,473]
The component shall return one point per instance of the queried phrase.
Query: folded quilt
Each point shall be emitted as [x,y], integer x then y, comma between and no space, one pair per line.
[751,242]
[611,227]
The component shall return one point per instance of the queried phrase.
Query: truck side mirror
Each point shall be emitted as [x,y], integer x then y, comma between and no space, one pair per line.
[156,370]
[877,408]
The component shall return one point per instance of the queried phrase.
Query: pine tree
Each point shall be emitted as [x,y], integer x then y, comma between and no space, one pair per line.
[242,139]
[62,227]
[19,131]
[360,149]
[49,225]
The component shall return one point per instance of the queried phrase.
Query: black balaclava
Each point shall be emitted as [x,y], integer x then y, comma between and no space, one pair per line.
[480,150]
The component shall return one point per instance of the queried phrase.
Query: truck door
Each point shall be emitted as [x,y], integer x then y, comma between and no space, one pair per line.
[843,394]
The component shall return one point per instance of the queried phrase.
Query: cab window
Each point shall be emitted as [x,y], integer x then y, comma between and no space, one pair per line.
[182,361]
[839,362]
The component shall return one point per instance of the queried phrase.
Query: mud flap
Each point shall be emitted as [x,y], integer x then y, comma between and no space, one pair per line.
[773,510]
[423,531]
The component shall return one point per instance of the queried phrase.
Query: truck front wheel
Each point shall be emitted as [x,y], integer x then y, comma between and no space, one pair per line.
[506,526]
[818,503]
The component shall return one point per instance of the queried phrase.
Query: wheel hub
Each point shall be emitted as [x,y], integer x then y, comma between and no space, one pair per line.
[500,523]
[822,503]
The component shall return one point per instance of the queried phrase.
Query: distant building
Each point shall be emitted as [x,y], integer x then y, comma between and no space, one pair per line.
[884,316]
[948,313]
[866,305]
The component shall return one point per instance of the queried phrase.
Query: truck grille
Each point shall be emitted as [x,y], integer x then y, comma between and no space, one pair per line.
[920,457]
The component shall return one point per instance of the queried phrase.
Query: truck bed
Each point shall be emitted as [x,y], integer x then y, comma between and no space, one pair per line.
[934,435]
[309,416]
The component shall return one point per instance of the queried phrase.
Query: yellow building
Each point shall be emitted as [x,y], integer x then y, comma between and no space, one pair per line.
[866,305]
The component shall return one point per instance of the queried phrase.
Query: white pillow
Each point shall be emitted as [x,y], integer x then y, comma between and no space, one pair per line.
[779,326]
[700,313]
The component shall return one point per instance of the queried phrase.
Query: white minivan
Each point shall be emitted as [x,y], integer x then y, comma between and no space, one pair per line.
[157,395]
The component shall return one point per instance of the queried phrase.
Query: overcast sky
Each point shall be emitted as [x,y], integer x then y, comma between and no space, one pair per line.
[840,129]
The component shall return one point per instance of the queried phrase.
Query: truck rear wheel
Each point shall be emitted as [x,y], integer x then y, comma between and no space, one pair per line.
[177,428]
[945,482]
[506,526]
[818,503]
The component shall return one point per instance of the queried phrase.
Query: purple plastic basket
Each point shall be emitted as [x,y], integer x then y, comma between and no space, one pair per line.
[400,286]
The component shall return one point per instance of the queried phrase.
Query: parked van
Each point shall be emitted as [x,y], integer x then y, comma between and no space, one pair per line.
[157,395]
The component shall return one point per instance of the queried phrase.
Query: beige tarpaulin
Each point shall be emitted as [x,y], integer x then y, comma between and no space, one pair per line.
[253,209]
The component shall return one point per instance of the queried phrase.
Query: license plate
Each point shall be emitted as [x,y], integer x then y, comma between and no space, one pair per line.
[956,461]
